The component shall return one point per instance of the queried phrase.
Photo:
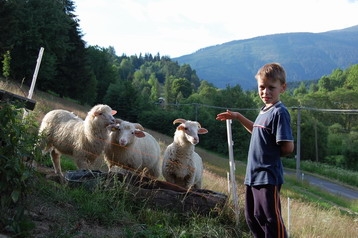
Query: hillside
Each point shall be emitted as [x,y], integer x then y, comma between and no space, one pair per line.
[305,56]
[59,211]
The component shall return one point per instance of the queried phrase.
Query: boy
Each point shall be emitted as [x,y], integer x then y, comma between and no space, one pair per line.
[271,138]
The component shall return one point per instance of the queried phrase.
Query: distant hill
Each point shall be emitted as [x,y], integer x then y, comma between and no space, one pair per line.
[305,56]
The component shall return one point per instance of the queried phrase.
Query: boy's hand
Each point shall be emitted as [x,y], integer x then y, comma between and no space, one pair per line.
[226,115]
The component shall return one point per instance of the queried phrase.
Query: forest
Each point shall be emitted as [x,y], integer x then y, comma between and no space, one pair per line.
[154,90]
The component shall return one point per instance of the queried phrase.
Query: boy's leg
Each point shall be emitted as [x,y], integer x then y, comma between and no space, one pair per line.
[251,221]
[268,210]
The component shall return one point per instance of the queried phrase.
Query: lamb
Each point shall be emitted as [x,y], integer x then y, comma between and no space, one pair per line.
[62,132]
[181,164]
[131,147]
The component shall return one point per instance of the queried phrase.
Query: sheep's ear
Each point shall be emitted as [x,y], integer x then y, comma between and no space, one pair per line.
[138,126]
[181,127]
[179,120]
[95,113]
[202,131]
[113,127]
[114,112]
[139,133]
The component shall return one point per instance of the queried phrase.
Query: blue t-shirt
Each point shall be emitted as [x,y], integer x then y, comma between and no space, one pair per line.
[264,165]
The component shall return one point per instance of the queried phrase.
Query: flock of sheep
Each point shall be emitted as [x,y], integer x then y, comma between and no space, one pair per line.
[122,144]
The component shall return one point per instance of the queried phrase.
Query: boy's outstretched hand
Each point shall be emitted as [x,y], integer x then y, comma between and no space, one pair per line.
[225,115]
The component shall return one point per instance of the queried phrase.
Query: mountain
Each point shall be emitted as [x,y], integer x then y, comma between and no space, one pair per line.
[305,56]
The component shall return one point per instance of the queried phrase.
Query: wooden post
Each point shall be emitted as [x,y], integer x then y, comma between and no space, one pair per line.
[288,217]
[34,78]
[232,172]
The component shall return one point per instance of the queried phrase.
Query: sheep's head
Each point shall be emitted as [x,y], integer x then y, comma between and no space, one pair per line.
[190,129]
[102,114]
[124,132]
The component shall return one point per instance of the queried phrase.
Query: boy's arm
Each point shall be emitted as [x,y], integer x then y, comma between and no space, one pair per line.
[286,147]
[247,124]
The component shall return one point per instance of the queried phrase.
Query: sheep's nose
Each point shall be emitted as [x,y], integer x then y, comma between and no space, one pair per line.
[122,142]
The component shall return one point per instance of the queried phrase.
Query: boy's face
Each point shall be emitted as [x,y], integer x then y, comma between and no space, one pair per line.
[270,90]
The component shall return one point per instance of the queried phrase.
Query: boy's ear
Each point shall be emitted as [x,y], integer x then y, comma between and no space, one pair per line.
[283,87]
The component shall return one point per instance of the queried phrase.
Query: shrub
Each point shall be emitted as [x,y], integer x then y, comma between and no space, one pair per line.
[17,140]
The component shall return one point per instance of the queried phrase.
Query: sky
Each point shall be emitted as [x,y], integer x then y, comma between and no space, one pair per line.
[175,28]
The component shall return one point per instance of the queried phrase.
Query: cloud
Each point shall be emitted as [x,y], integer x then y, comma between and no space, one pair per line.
[178,27]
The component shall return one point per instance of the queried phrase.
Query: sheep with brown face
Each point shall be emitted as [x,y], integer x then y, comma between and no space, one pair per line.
[62,132]
[181,164]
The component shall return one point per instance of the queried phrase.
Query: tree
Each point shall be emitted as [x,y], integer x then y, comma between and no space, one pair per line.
[186,72]
[75,70]
[300,90]
[345,99]
[181,87]
[104,69]
[121,96]
[40,23]
[312,132]
[207,92]
[155,88]
[352,78]
[351,150]
[126,69]
[168,92]
[324,84]
[6,64]
[8,25]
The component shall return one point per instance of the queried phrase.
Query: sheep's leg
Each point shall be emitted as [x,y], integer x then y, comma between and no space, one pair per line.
[56,162]
[188,181]
[197,185]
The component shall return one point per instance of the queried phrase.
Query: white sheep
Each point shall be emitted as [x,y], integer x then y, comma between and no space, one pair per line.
[62,132]
[132,148]
[181,164]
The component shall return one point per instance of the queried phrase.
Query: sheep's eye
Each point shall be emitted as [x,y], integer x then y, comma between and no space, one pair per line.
[186,128]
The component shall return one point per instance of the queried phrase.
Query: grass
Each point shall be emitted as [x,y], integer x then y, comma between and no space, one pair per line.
[62,211]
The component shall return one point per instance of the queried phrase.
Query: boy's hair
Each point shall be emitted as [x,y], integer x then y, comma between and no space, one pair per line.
[272,71]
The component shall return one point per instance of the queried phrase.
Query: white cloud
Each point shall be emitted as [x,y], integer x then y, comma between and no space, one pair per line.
[178,27]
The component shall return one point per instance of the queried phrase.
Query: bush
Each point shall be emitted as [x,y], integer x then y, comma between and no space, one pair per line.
[17,140]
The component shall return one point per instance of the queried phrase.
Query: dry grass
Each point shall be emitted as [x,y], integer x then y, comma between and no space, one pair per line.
[306,220]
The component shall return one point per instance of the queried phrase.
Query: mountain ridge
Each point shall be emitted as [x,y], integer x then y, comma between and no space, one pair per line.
[304,55]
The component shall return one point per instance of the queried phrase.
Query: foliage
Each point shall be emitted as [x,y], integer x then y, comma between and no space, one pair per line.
[6,64]
[160,120]
[120,96]
[18,137]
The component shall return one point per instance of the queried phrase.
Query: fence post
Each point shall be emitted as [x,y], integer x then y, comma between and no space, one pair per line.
[232,172]
[298,154]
